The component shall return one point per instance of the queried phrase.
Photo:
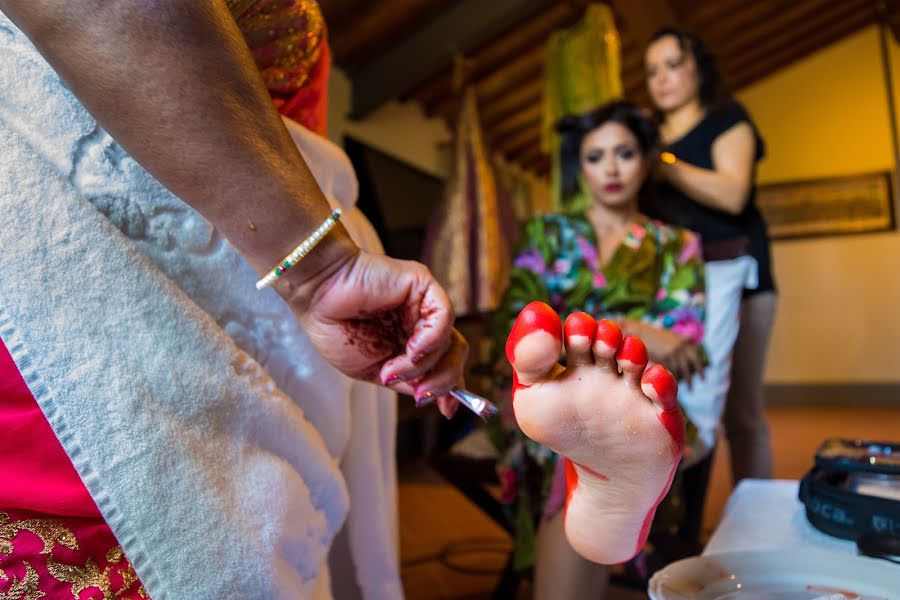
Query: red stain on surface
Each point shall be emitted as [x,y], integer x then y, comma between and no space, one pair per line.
[380,335]
[648,520]
[824,589]
[518,386]
[589,470]
[571,483]
[572,478]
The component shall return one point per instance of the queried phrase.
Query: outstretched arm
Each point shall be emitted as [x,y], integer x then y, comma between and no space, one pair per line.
[175,84]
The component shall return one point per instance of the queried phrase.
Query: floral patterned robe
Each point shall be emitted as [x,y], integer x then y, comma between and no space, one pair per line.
[656,276]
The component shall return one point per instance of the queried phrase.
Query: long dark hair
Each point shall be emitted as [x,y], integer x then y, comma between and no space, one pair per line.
[574,128]
[713,91]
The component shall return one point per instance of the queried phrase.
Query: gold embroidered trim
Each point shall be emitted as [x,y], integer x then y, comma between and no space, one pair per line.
[52,532]
[82,578]
[27,589]
[114,555]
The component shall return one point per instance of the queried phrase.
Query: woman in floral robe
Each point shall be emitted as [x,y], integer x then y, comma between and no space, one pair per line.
[604,258]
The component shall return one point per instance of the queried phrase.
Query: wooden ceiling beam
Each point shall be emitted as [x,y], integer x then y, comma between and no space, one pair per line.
[707,14]
[527,66]
[792,41]
[528,139]
[633,78]
[376,25]
[540,165]
[642,18]
[503,129]
[339,14]
[523,97]
[752,17]
[773,19]
[462,26]
[493,55]
[738,25]
[530,155]
[889,13]
[789,51]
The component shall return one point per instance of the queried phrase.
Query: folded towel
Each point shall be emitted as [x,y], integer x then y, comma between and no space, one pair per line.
[198,415]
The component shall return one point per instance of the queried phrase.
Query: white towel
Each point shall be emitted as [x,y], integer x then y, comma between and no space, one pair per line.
[704,399]
[368,459]
[201,420]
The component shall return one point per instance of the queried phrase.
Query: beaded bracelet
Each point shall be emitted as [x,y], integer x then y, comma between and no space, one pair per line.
[300,251]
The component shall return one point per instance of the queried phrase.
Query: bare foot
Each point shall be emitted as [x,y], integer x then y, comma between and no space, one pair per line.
[620,429]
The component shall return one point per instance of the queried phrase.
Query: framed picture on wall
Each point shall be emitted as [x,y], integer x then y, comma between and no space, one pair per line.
[833,206]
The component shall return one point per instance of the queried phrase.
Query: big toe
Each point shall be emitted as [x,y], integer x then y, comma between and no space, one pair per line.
[533,346]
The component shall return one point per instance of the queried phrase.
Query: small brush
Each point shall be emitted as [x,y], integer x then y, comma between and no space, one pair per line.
[478,405]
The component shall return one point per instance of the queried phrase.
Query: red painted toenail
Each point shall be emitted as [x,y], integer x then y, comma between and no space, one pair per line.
[633,351]
[536,316]
[580,323]
[608,333]
[665,385]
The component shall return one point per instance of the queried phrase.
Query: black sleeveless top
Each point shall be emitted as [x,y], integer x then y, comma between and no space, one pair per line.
[670,205]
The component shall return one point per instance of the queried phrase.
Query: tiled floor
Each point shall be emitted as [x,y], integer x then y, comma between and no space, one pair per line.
[435,518]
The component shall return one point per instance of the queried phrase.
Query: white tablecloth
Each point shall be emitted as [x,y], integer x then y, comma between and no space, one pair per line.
[765,514]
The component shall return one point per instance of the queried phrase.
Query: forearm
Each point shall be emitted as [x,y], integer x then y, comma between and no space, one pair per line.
[175,84]
[708,187]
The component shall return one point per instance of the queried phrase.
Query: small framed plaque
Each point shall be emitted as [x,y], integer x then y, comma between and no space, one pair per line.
[833,206]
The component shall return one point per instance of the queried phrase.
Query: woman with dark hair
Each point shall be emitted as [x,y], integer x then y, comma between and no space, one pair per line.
[606,259]
[707,184]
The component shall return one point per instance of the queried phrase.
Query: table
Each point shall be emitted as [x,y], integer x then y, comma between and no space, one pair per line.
[765,514]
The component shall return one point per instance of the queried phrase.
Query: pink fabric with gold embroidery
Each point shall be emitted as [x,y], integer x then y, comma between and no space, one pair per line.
[52,537]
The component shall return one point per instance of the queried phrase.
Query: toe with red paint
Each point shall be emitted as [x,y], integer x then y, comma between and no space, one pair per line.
[632,359]
[534,344]
[580,329]
[660,386]
[607,339]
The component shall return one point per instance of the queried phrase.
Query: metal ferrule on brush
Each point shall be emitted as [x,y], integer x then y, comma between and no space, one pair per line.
[478,405]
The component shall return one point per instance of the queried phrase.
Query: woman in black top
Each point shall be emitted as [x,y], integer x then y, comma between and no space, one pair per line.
[707,185]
